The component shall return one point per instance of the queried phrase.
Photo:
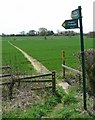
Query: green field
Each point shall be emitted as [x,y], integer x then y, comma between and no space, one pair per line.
[48,52]
[11,56]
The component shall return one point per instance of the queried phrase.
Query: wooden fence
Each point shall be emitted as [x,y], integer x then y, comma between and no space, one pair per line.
[64,67]
[5,68]
[29,79]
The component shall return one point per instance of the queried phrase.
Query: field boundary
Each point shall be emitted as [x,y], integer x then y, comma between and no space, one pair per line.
[30,80]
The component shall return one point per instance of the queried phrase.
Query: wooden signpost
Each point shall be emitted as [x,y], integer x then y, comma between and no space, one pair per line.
[72,24]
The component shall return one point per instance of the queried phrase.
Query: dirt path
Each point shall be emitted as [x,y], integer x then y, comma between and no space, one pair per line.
[36,64]
[39,67]
[65,86]
[25,98]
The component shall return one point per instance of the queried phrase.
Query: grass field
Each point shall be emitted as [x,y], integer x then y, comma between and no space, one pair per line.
[11,56]
[48,52]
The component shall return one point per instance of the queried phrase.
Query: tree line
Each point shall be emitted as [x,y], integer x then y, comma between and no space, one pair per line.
[44,32]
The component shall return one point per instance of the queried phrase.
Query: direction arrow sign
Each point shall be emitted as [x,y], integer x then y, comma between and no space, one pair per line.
[70,24]
[75,14]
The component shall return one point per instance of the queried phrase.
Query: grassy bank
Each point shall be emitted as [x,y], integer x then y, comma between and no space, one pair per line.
[58,105]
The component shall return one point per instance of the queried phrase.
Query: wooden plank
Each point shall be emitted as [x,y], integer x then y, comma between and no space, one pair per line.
[4,75]
[9,82]
[5,83]
[5,67]
[37,81]
[41,88]
[36,76]
[72,69]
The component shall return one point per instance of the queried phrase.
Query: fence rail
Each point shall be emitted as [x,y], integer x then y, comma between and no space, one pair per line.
[29,79]
[64,67]
[5,68]
[72,69]
[4,75]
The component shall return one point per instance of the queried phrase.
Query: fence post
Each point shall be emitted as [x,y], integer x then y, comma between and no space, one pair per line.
[63,62]
[79,79]
[53,82]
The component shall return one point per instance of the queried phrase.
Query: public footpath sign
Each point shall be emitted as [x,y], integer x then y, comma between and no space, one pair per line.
[72,24]
[75,14]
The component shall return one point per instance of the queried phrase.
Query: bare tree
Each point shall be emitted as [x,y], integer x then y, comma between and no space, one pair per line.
[22,33]
[43,31]
[32,32]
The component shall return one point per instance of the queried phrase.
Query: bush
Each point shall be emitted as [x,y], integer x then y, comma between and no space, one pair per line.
[90,70]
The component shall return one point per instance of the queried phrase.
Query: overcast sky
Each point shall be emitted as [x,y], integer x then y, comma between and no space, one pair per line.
[19,15]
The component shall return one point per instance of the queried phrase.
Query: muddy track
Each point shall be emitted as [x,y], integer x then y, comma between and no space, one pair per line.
[40,68]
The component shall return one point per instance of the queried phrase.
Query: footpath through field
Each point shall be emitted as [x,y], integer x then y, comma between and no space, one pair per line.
[36,64]
[40,68]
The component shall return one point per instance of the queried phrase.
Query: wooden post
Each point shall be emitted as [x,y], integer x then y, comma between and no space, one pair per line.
[79,79]
[63,62]
[53,82]
[11,89]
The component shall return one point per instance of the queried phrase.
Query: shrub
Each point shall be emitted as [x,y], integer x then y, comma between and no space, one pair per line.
[90,70]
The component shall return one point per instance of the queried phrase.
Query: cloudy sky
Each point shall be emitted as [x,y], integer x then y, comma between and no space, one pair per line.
[19,15]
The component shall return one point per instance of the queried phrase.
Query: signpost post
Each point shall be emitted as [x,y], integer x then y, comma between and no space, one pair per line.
[82,53]
[72,24]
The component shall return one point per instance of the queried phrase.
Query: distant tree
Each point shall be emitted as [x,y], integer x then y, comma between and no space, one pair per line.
[91,34]
[22,33]
[32,32]
[3,34]
[68,33]
[43,31]
[58,32]
[12,34]
[50,32]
